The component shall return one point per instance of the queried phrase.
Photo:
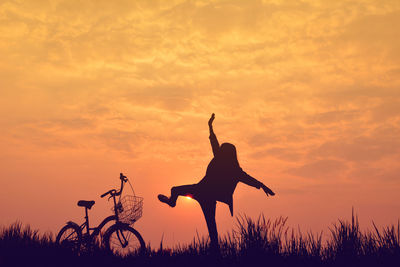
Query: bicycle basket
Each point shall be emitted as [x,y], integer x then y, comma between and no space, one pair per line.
[129,209]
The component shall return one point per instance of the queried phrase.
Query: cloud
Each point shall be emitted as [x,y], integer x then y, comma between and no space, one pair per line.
[321,169]
[333,117]
[374,33]
[283,153]
[167,97]
[359,149]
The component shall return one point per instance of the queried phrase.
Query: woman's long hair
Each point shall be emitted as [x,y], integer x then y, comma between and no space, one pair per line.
[227,155]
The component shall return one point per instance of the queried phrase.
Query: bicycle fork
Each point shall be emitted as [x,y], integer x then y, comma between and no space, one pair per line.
[123,242]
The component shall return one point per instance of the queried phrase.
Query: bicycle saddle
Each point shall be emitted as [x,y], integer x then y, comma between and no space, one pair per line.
[86,203]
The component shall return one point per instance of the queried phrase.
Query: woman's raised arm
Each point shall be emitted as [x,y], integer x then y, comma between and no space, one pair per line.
[213,137]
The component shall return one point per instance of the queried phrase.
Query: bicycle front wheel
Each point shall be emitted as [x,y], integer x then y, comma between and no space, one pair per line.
[121,239]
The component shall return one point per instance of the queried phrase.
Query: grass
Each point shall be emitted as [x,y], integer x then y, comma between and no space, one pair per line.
[260,242]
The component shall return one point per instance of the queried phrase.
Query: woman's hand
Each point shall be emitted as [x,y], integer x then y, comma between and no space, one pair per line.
[210,121]
[267,191]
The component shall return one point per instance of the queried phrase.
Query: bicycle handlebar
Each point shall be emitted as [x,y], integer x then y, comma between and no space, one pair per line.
[123,177]
[113,192]
[106,193]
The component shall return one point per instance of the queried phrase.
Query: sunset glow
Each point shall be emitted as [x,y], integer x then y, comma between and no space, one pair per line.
[308,91]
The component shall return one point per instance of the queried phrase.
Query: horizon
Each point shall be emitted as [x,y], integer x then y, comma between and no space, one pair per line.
[308,92]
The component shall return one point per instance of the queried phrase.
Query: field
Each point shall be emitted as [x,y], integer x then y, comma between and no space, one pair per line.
[259,242]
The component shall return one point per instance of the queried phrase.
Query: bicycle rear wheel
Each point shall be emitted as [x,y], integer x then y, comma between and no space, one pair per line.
[121,239]
[70,236]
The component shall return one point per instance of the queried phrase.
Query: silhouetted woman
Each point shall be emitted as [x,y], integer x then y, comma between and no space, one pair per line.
[222,175]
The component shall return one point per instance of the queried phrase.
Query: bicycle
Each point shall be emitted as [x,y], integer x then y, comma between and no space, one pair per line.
[120,238]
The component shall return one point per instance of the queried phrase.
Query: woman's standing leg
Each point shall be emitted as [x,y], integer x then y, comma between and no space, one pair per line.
[208,207]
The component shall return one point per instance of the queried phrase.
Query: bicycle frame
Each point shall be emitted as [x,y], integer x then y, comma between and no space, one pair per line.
[96,230]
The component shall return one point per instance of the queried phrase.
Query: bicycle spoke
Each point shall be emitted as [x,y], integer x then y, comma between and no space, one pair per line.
[68,237]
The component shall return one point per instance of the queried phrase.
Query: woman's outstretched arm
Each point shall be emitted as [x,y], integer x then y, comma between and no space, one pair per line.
[213,137]
[247,179]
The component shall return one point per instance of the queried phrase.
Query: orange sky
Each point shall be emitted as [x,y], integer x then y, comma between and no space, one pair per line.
[308,91]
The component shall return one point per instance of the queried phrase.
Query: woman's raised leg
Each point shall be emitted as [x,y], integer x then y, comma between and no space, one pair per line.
[176,191]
